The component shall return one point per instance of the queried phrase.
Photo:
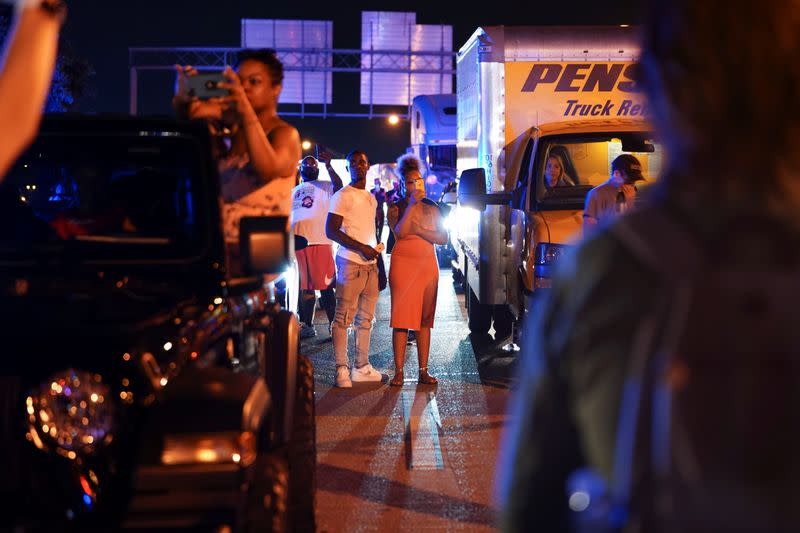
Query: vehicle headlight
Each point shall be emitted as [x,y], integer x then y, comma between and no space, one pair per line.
[548,253]
[448,222]
[226,447]
[71,413]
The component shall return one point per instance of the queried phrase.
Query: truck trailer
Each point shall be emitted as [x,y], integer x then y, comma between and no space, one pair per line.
[433,139]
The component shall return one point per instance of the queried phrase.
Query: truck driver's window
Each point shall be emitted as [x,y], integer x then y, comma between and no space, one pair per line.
[569,167]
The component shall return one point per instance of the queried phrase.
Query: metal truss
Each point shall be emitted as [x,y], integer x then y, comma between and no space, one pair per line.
[335,61]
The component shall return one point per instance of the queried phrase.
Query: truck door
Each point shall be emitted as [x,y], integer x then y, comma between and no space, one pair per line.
[519,155]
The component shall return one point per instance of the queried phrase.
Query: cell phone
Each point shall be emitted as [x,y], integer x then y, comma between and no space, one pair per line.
[205,85]
[419,185]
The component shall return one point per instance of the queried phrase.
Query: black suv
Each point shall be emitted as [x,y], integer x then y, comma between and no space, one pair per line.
[142,385]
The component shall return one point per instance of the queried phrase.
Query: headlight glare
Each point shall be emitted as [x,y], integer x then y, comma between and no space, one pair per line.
[71,412]
[548,253]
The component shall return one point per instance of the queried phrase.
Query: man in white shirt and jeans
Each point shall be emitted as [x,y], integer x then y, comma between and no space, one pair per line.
[351,223]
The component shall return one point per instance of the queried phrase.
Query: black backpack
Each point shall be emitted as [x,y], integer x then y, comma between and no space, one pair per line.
[708,436]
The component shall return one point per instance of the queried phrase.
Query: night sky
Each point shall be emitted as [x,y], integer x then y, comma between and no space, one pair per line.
[101,32]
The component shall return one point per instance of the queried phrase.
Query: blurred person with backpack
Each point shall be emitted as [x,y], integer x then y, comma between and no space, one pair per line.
[658,379]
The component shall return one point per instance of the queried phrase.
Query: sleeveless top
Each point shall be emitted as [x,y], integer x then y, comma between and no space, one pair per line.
[244,194]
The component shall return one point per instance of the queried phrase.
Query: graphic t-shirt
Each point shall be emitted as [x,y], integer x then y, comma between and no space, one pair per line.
[357,209]
[310,203]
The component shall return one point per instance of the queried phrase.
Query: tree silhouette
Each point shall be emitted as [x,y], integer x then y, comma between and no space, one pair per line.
[71,75]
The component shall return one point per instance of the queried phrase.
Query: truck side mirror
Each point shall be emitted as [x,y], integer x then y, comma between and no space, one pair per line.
[518,198]
[266,245]
[472,188]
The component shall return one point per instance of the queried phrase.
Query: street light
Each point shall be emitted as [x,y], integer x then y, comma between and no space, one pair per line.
[306,145]
[393,120]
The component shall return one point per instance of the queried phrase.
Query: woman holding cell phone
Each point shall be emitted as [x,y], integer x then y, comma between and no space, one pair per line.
[259,153]
[414,275]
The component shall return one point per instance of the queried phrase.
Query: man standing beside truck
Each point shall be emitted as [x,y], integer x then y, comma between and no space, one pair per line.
[609,200]
[351,223]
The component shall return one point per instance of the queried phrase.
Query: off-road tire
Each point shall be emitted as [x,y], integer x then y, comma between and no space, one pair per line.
[479,315]
[303,451]
[266,508]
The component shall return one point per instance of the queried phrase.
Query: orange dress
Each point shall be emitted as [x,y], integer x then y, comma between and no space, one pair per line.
[413,281]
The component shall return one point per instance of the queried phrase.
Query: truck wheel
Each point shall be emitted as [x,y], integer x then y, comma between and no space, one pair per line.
[303,451]
[503,322]
[480,315]
[265,508]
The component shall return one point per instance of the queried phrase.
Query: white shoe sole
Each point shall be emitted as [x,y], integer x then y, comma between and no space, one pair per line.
[366,379]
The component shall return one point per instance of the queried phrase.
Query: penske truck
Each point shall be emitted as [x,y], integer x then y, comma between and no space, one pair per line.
[527,96]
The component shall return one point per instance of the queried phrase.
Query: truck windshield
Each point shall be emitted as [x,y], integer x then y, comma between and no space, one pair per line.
[114,193]
[568,167]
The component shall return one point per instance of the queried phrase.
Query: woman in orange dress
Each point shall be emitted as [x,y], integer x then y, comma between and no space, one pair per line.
[414,275]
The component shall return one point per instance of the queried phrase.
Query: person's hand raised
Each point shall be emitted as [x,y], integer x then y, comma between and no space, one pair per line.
[416,197]
[629,191]
[237,99]
[324,155]
[183,73]
[195,108]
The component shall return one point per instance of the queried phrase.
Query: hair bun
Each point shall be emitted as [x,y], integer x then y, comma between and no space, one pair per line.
[407,163]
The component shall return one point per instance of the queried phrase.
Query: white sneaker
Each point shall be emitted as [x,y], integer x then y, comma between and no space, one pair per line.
[365,373]
[343,378]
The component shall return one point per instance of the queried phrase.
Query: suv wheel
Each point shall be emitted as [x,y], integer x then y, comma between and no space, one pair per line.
[303,451]
[266,506]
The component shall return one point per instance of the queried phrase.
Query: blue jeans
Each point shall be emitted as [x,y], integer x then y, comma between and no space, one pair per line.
[356,298]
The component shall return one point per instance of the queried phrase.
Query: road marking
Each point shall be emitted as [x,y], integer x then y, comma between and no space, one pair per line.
[423,427]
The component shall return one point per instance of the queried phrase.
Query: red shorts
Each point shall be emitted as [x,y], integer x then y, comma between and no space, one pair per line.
[317,270]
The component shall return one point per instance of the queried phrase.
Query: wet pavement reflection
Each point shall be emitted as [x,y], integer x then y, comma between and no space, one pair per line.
[414,457]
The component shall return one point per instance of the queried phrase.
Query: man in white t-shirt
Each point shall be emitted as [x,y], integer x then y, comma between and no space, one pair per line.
[351,223]
[310,203]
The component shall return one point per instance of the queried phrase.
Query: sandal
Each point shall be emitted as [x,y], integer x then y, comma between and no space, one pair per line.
[425,378]
[397,380]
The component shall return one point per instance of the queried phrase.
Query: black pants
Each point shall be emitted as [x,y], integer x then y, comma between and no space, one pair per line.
[378,229]
[390,242]
[308,302]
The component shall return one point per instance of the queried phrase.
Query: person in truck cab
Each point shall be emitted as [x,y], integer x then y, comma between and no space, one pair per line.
[555,172]
[612,198]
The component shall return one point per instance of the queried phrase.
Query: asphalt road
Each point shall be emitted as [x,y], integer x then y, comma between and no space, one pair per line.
[415,457]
